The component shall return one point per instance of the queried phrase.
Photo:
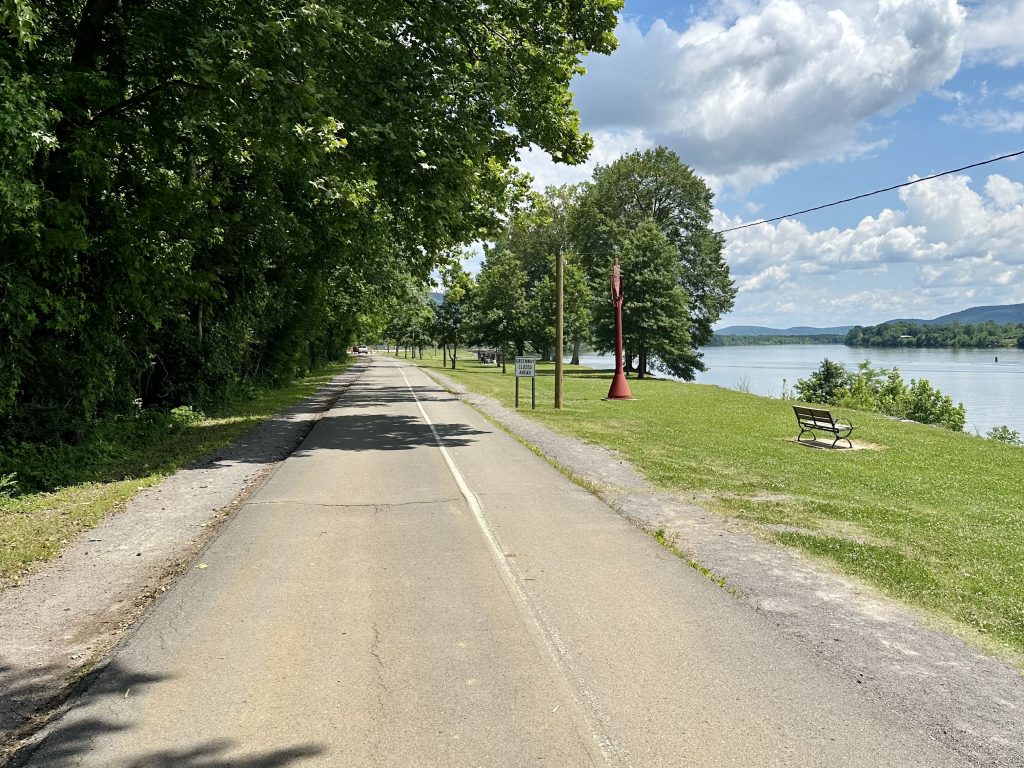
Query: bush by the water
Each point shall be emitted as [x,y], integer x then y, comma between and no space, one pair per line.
[882,390]
[1004,434]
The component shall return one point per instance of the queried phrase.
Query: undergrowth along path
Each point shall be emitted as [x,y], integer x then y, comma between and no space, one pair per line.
[58,623]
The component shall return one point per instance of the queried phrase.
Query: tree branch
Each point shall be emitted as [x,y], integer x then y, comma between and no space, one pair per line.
[142,97]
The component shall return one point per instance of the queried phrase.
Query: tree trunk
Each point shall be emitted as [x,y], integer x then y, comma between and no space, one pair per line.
[503,361]
[642,363]
[576,352]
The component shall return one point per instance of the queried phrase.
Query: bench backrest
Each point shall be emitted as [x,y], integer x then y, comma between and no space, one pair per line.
[813,414]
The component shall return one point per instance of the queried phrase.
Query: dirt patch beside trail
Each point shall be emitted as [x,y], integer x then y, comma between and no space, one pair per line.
[58,624]
[933,682]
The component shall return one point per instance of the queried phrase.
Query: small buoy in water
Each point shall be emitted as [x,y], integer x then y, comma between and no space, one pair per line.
[997,358]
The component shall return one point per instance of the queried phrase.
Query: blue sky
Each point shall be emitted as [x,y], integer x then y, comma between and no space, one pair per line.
[784,104]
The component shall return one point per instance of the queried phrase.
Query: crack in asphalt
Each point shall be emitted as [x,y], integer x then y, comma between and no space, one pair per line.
[375,507]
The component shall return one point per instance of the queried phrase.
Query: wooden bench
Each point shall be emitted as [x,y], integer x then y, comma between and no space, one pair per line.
[810,419]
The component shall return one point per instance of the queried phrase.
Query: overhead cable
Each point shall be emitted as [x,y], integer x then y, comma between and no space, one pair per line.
[869,194]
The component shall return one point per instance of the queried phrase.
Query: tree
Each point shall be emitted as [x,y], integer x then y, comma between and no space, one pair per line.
[197,194]
[536,236]
[450,315]
[655,186]
[655,324]
[500,308]
[826,385]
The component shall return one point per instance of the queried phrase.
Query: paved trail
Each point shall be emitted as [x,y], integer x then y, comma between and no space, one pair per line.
[386,601]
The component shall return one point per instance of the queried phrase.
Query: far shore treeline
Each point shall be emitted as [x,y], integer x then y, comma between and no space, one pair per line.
[897,333]
[952,335]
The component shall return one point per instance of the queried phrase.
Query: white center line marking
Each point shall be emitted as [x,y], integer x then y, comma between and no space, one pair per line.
[556,649]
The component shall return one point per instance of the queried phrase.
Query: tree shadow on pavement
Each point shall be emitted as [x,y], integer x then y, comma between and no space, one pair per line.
[370,397]
[378,432]
[68,740]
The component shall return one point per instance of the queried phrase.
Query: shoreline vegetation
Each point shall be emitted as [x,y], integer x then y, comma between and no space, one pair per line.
[897,334]
[915,515]
[737,340]
[51,491]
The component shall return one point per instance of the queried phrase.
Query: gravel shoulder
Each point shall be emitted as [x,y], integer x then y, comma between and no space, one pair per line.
[60,623]
[932,681]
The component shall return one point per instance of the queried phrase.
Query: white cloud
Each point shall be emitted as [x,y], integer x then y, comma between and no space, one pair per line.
[946,246]
[762,88]
[608,146]
[989,120]
[994,31]
[1004,192]
[1016,92]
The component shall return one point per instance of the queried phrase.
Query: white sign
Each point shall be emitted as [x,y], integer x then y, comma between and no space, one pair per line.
[526,367]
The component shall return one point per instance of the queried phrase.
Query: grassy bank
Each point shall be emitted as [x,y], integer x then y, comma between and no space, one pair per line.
[932,517]
[118,459]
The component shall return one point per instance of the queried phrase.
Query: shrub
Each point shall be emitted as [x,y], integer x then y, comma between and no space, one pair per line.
[1004,434]
[9,485]
[184,416]
[883,391]
[828,384]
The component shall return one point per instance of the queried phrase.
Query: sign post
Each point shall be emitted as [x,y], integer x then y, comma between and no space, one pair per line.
[526,368]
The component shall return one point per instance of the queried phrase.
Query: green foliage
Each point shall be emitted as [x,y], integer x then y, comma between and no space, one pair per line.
[900,333]
[8,485]
[655,187]
[185,416]
[534,238]
[1004,434]
[65,488]
[826,385]
[198,197]
[883,391]
[655,317]
[500,309]
[735,340]
[450,317]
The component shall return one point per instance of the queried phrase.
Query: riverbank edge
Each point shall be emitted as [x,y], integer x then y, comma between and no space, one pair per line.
[61,623]
[934,681]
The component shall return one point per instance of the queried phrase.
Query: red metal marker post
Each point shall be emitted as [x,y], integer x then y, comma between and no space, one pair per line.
[619,390]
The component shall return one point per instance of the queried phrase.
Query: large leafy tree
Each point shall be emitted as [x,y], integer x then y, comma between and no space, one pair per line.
[656,188]
[451,315]
[655,320]
[500,309]
[536,236]
[197,193]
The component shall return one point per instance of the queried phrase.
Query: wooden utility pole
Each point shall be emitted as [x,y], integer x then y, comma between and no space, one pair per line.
[559,325]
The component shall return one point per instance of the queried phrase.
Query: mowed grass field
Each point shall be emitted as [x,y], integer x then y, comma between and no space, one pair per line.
[118,461]
[931,517]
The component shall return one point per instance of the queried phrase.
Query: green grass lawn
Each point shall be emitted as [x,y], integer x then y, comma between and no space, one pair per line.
[114,463]
[932,517]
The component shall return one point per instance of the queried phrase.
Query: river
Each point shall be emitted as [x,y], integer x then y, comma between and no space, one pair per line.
[992,392]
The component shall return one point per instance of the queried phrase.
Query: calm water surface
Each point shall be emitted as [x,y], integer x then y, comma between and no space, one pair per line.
[992,393]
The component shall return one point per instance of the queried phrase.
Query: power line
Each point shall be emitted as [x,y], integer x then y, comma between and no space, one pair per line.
[869,194]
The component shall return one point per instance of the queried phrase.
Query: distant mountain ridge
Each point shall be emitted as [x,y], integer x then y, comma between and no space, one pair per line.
[1000,313]
[760,330]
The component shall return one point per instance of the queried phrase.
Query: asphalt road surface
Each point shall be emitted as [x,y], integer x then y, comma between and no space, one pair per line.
[413,587]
